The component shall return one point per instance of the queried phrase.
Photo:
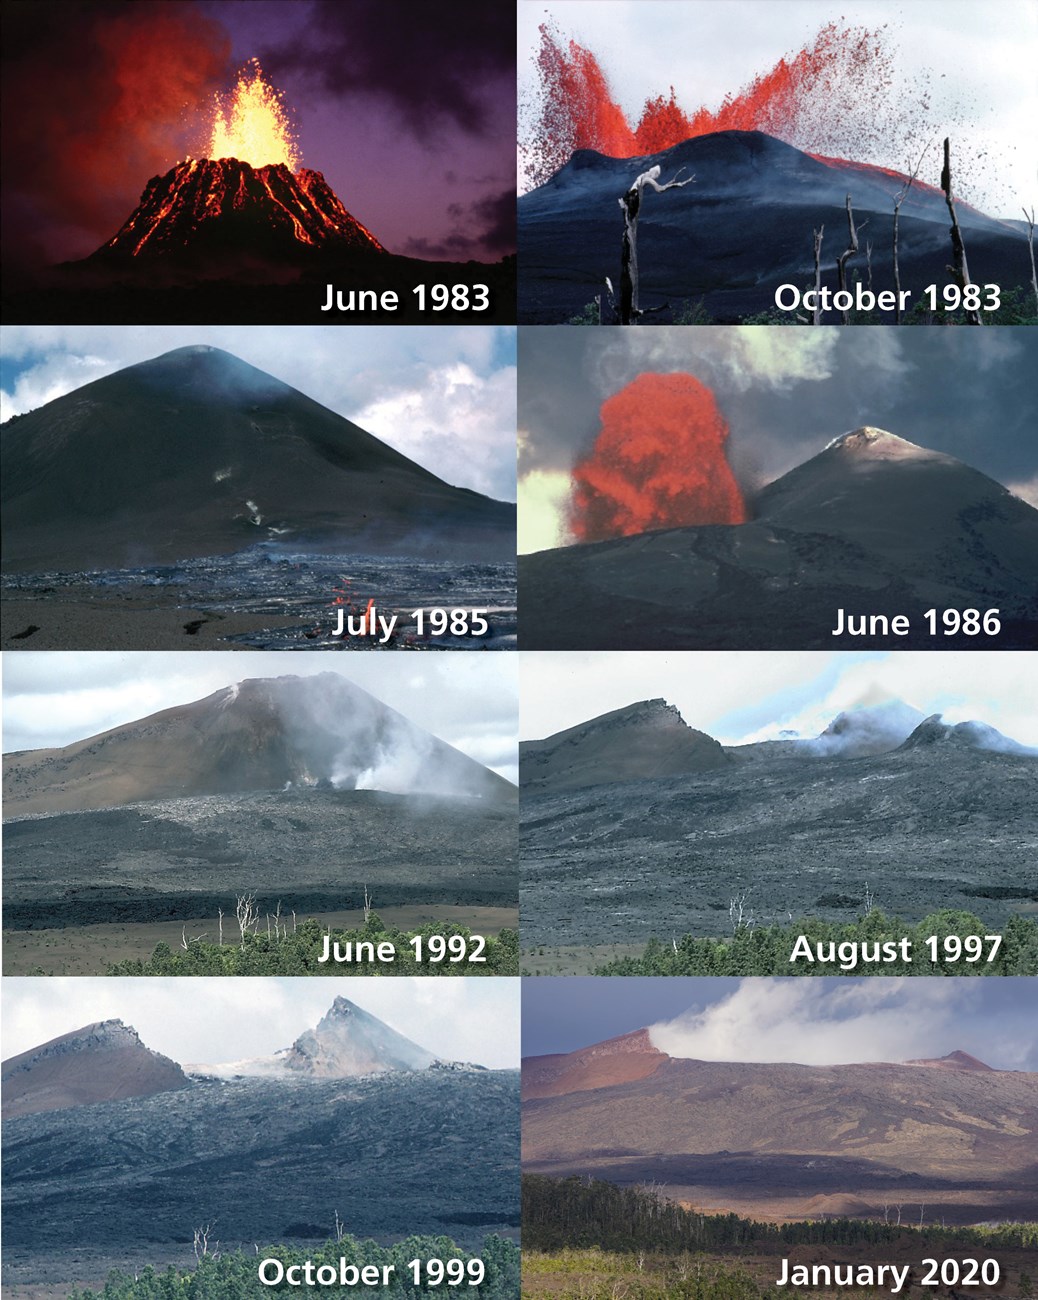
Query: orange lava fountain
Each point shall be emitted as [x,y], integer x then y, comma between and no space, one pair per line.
[832,94]
[251,124]
[658,462]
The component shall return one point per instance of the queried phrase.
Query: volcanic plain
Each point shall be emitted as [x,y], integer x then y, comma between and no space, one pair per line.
[871,528]
[252,791]
[194,500]
[783,1141]
[260,1151]
[636,826]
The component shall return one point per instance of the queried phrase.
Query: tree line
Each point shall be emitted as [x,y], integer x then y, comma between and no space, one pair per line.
[766,949]
[294,951]
[234,1275]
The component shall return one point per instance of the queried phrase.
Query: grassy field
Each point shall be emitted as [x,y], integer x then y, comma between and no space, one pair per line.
[88,949]
[593,1274]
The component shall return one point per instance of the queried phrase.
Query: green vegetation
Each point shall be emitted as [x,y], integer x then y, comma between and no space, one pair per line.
[582,1212]
[234,1276]
[597,1275]
[294,951]
[766,950]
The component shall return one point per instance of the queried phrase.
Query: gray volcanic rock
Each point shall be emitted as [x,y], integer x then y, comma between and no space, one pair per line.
[262,1160]
[350,1042]
[946,818]
[719,239]
[872,525]
[260,734]
[196,453]
[105,1061]
[643,740]
[967,735]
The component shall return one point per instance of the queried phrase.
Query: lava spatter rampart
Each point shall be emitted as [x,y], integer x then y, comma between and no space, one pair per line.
[658,462]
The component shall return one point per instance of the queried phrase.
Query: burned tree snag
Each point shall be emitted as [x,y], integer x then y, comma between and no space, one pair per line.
[960,271]
[899,198]
[1029,218]
[631,204]
[842,260]
[816,315]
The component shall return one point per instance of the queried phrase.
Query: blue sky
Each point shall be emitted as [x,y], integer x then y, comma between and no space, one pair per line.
[752,695]
[442,395]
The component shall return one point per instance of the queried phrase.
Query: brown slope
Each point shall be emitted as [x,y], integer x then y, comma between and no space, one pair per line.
[953,1061]
[105,1061]
[257,735]
[643,740]
[946,1123]
[604,1065]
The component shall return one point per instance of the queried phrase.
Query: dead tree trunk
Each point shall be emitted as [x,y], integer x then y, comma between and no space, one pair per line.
[960,271]
[842,260]
[631,204]
[899,198]
[1029,218]
[816,315]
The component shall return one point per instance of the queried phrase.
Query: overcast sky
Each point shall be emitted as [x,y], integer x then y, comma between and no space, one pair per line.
[53,698]
[442,395]
[211,1021]
[973,63]
[749,695]
[811,1021]
[784,393]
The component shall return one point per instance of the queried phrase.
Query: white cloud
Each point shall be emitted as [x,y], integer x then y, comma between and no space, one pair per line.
[214,1020]
[816,1022]
[447,399]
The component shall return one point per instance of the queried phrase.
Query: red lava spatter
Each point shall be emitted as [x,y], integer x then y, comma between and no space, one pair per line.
[658,462]
[837,97]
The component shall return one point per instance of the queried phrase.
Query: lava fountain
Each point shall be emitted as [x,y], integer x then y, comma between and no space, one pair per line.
[252,125]
[837,97]
[658,462]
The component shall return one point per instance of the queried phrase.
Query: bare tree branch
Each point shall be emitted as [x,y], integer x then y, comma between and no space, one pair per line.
[631,204]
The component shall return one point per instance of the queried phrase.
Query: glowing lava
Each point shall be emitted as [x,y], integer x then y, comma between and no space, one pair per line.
[831,97]
[252,125]
[658,462]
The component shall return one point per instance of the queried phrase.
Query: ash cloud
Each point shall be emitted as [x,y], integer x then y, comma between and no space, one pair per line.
[484,228]
[786,393]
[435,66]
[97,98]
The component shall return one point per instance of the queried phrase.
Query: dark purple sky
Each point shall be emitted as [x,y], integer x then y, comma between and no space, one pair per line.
[408,108]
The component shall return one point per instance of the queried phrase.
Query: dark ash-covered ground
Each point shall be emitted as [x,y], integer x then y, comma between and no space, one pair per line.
[622,863]
[310,850]
[263,1161]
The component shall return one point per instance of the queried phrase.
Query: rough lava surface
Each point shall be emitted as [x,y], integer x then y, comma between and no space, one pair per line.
[872,525]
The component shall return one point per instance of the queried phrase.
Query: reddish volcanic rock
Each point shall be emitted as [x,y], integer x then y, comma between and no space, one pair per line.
[603,1065]
[955,1061]
[213,204]
[105,1061]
